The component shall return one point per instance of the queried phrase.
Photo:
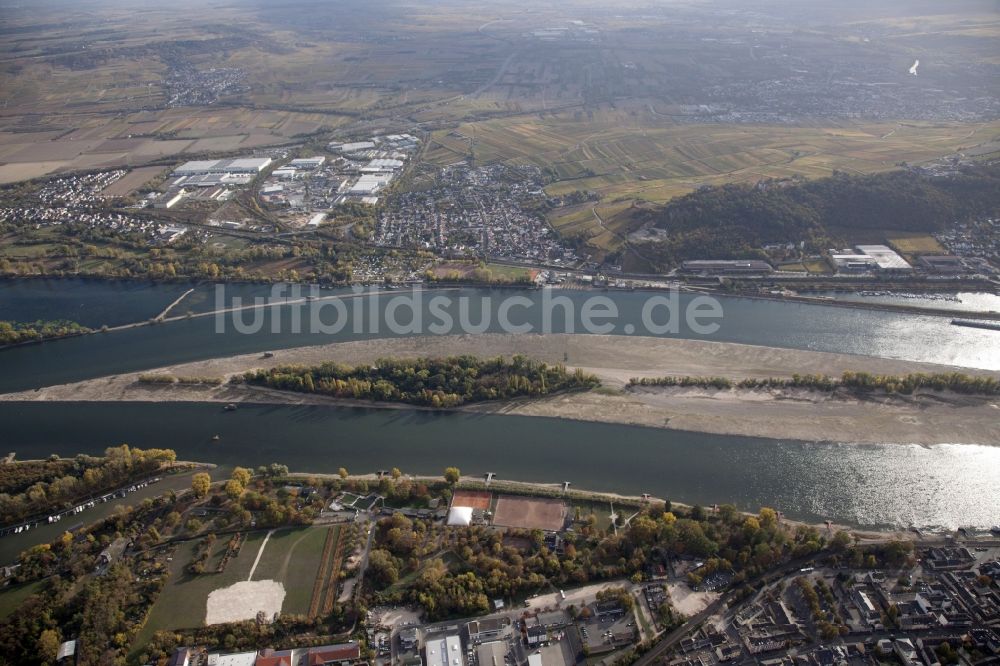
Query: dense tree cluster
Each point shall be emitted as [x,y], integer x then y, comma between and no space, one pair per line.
[451,572]
[12,332]
[439,383]
[734,221]
[103,613]
[855,381]
[30,488]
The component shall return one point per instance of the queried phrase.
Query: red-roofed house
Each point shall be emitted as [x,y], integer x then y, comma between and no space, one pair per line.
[269,657]
[334,655]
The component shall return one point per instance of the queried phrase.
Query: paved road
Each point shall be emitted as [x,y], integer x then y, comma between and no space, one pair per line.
[364,561]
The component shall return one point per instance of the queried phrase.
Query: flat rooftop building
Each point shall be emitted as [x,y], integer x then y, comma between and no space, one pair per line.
[885,257]
[383,165]
[480,630]
[246,165]
[234,659]
[354,147]
[370,183]
[942,263]
[213,179]
[492,653]
[853,263]
[307,163]
[445,651]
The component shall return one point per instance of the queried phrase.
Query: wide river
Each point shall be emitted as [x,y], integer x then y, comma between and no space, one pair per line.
[873,486]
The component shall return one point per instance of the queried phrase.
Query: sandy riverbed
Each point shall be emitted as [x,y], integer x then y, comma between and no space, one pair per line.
[779,414]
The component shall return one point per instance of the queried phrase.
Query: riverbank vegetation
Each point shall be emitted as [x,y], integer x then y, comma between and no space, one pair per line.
[452,572]
[439,383]
[858,382]
[466,272]
[39,487]
[155,565]
[166,379]
[12,332]
[70,601]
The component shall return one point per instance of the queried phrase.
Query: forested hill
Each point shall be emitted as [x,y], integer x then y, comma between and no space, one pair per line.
[733,221]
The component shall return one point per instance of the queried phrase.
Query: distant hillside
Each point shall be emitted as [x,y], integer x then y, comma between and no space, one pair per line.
[733,221]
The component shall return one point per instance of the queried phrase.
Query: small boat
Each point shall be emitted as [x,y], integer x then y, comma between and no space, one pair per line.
[216,438]
[231,407]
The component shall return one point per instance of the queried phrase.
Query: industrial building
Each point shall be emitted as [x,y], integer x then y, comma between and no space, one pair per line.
[370,183]
[401,141]
[942,264]
[247,166]
[481,630]
[234,659]
[492,654]
[853,263]
[382,165]
[726,266]
[352,147]
[306,163]
[445,651]
[885,257]
[169,199]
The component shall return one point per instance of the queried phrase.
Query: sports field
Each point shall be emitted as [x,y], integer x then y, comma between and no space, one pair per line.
[477,499]
[916,244]
[530,513]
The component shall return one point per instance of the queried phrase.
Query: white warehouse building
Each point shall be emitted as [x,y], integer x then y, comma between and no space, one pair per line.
[445,651]
[371,183]
[247,165]
[886,258]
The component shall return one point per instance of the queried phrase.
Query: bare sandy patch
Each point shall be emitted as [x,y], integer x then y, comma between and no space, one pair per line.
[243,600]
[687,601]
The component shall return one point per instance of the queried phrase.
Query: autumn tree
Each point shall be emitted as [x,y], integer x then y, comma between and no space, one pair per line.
[200,484]
[243,475]
[234,489]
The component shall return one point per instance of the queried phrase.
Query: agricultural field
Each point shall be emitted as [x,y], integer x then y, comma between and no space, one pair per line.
[602,224]
[626,158]
[132,181]
[621,156]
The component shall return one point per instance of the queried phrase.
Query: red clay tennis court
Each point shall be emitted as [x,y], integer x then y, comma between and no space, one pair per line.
[530,513]
[477,499]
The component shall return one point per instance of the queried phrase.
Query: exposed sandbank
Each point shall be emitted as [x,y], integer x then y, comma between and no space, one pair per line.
[811,416]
